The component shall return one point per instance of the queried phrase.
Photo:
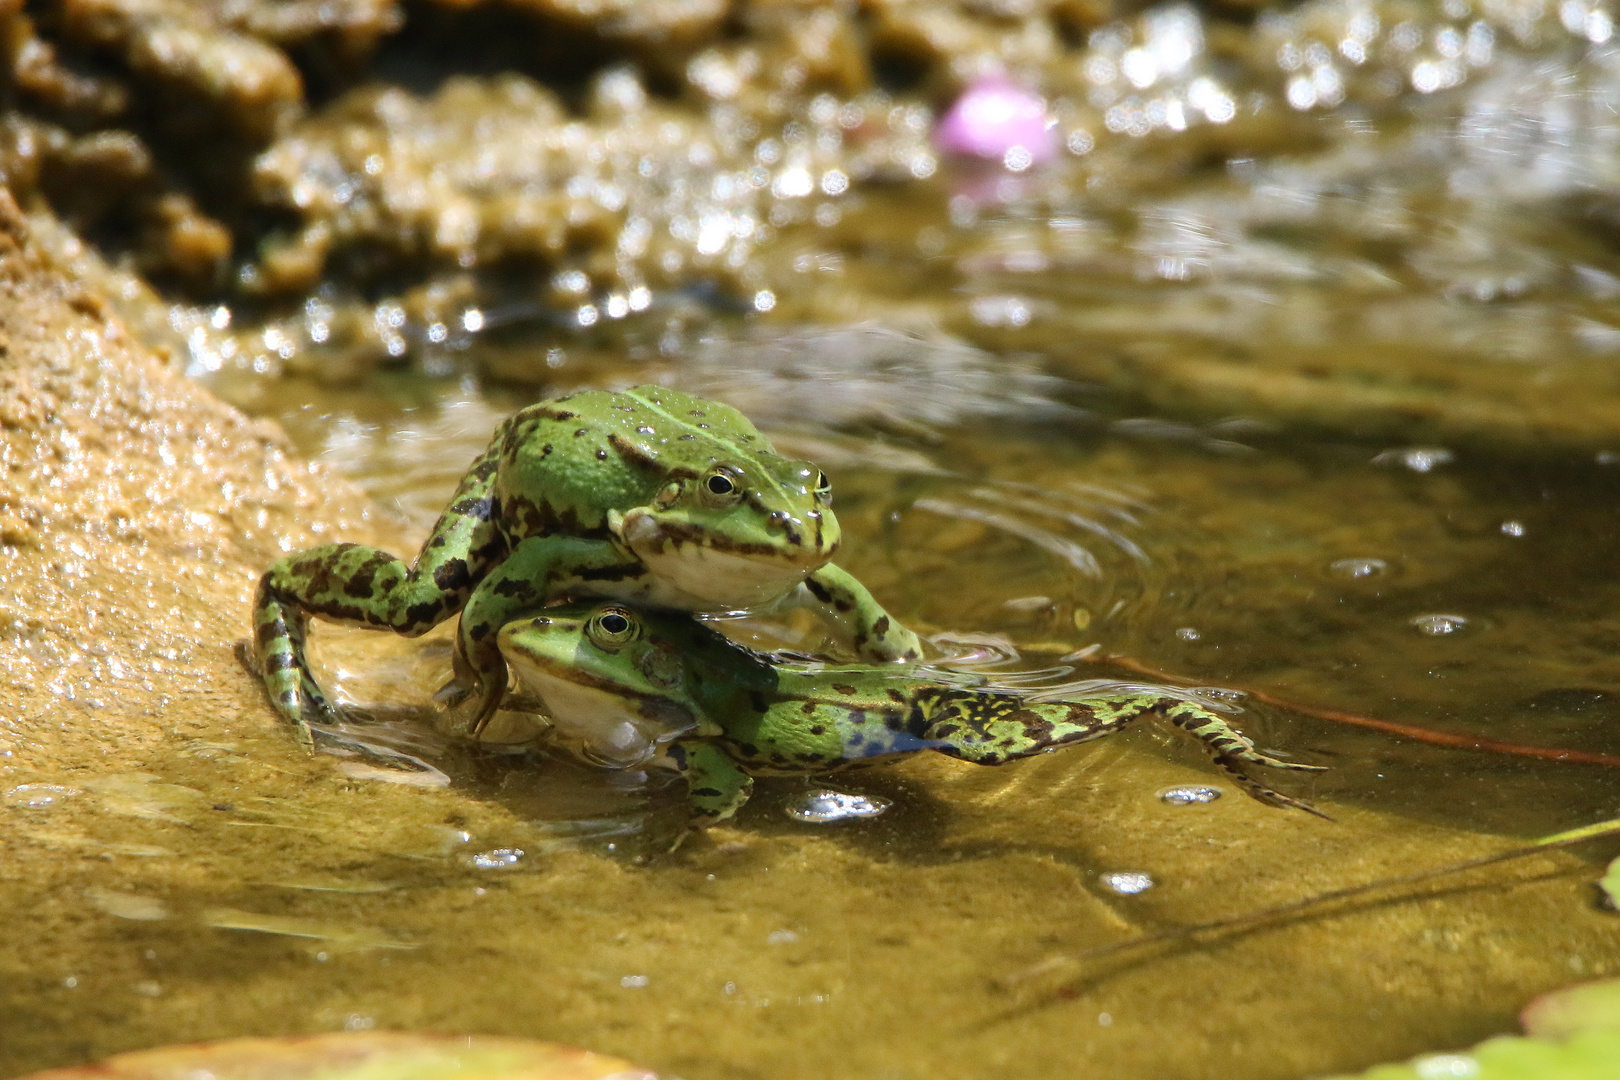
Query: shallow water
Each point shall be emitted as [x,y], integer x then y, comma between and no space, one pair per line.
[1444,590]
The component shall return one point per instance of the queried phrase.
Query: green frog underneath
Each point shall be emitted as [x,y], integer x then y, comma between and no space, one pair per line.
[648,495]
[641,687]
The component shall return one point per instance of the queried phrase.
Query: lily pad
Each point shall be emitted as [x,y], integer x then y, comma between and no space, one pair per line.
[1575,1010]
[368,1055]
[1573,1034]
[1609,884]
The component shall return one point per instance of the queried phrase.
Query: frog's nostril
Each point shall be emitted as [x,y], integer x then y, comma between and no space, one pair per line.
[778,517]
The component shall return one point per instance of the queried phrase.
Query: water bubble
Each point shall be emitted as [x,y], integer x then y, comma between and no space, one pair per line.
[498,858]
[1512,528]
[781,937]
[1189,794]
[1358,568]
[1439,625]
[1187,633]
[1445,1066]
[1128,882]
[1417,458]
[39,796]
[633,982]
[823,806]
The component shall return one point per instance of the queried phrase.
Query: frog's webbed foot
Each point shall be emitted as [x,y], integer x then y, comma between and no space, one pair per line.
[877,634]
[1232,750]
[1260,792]
[717,787]
[474,693]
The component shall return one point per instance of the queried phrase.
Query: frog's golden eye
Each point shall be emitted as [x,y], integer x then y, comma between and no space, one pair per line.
[823,489]
[721,485]
[613,628]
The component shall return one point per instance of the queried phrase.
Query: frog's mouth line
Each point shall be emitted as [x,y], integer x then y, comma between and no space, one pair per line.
[714,570]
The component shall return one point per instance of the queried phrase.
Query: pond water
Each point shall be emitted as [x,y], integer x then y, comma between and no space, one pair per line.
[1063,534]
[1310,406]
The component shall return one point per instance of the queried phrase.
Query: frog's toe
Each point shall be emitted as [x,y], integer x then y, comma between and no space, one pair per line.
[1233,767]
[1279,763]
[453,693]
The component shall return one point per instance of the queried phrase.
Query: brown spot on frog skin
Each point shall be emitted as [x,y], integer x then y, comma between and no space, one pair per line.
[453,575]
[844,688]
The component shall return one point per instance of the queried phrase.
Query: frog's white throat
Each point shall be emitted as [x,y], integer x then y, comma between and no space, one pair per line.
[599,725]
[691,572]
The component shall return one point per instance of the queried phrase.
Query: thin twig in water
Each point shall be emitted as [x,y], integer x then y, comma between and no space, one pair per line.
[1407,731]
[1282,911]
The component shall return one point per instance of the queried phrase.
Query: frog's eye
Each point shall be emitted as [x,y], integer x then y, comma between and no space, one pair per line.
[613,628]
[721,485]
[823,489]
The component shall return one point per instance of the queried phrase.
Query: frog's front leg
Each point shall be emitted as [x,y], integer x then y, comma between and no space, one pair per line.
[717,787]
[539,569]
[364,586]
[878,635]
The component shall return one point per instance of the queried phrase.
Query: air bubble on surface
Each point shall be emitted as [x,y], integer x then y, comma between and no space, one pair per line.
[1189,794]
[497,858]
[1417,458]
[1439,625]
[633,982]
[823,806]
[39,796]
[1127,882]
[1358,568]
[1446,1066]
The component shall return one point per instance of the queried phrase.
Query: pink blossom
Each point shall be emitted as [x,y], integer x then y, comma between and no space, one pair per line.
[996,118]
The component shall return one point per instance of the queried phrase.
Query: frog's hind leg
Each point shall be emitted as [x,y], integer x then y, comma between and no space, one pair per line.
[279,632]
[364,586]
[1231,750]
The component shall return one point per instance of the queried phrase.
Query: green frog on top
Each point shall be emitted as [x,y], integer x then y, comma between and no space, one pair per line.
[631,687]
[648,495]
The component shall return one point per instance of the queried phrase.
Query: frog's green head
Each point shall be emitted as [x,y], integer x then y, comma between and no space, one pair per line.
[733,523]
[611,687]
